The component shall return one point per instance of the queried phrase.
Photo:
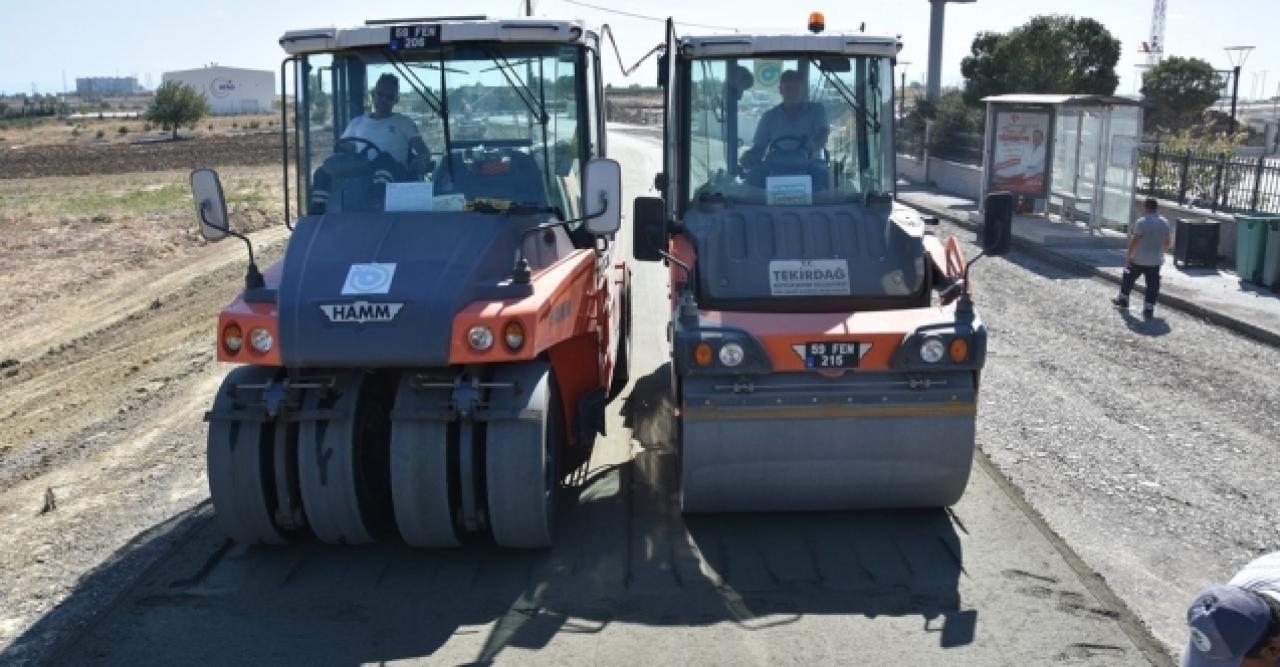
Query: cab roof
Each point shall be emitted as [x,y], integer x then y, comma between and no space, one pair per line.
[848,44]
[452,30]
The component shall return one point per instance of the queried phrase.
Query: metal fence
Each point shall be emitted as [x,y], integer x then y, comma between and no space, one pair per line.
[964,147]
[1217,182]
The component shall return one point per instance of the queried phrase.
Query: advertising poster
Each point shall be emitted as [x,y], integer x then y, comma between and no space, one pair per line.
[1020,153]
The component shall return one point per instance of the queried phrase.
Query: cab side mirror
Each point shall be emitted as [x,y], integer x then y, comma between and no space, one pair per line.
[649,229]
[997,224]
[603,184]
[211,206]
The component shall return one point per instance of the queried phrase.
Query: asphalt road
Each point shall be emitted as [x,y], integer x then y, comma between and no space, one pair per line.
[630,580]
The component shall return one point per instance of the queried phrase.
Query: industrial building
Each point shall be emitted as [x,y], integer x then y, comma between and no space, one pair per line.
[101,86]
[230,90]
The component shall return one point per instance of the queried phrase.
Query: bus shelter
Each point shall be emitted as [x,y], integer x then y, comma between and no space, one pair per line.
[1076,152]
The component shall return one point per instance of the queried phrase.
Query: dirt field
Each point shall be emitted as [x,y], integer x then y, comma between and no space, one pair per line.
[85,131]
[105,343]
[96,159]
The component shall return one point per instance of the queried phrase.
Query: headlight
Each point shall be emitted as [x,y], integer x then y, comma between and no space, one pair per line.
[513,334]
[480,337]
[931,350]
[261,340]
[731,354]
[232,338]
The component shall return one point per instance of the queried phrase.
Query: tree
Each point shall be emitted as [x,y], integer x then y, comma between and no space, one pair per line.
[1179,90]
[176,104]
[1048,54]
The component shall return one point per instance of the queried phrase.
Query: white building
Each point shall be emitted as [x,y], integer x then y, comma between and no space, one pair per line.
[230,90]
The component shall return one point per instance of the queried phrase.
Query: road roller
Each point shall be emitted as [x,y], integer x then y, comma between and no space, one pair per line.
[825,350]
[433,352]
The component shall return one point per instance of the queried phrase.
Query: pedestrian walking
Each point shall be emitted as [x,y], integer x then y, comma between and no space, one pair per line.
[1238,625]
[1144,258]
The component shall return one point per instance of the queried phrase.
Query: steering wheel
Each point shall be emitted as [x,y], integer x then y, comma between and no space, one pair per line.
[792,143]
[361,146]
[786,151]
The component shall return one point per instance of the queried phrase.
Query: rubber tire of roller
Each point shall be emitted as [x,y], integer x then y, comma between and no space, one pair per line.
[622,358]
[517,459]
[241,479]
[420,476]
[327,468]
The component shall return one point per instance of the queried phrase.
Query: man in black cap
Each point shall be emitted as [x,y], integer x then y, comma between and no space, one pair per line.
[1238,625]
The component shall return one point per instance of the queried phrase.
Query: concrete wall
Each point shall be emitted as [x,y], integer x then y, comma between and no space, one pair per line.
[962,180]
[911,168]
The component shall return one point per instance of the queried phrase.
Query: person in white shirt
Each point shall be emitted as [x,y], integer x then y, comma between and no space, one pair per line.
[1032,161]
[395,134]
[402,154]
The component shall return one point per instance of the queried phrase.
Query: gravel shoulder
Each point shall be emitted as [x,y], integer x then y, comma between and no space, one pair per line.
[1149,447]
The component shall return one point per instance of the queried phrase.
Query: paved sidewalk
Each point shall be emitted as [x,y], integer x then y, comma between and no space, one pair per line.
[1217,295]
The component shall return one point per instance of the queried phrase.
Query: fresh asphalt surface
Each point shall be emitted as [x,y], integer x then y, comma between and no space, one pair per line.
[631,581]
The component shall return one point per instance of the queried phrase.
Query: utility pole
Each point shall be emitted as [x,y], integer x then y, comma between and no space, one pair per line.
[528,7]
[1237,55]
[902,99]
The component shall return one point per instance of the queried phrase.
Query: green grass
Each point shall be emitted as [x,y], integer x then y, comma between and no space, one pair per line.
[131,195]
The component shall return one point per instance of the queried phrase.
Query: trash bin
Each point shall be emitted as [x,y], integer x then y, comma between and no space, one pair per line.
[1251,245]
[1195,243]
[1271,259]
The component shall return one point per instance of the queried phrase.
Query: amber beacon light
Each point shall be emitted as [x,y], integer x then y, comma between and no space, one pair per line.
[817,22]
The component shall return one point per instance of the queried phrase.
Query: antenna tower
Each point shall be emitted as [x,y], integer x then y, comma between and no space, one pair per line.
[1155,47]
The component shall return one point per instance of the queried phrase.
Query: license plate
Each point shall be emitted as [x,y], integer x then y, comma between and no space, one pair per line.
[831,354]
[407,37]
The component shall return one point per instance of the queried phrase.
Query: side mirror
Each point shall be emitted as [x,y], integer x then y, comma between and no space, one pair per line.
[211,206]
[997,224]
[649,229]
[662,71]
[603,184]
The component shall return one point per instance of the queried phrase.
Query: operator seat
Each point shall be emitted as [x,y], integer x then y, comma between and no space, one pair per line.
[509,175]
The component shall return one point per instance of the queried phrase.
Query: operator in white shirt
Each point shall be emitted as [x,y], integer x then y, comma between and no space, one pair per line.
[395,134]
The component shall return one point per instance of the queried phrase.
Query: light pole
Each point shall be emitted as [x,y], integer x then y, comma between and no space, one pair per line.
[937,16]
[1237,55]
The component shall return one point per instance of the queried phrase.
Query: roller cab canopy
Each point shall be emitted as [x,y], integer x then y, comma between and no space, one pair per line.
[446,31]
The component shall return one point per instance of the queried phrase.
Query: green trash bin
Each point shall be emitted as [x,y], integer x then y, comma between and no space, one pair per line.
[1271,259]
[1251,245]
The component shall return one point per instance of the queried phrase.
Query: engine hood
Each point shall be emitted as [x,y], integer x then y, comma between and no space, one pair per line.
[833,258]
[381,289]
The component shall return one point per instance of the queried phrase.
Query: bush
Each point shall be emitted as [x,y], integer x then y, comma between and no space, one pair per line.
[176,104]
[210,127]
[123,130]
[100,134]
[235,125]
[1205,141]
[146,128]
[253,125]
[957,127]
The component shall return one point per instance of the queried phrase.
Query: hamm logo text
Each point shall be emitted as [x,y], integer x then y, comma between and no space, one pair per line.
[360,312]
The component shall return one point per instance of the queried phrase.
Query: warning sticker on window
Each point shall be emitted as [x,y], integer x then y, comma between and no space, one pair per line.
[809,277]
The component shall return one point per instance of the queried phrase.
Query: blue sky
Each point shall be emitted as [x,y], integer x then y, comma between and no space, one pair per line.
[42,41]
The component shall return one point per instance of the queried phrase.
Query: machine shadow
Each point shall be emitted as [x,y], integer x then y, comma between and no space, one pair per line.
[624,554]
